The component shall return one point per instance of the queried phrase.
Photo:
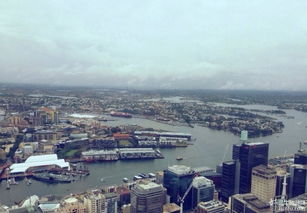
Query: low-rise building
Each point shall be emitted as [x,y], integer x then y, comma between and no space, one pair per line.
[212,206]
[246,203]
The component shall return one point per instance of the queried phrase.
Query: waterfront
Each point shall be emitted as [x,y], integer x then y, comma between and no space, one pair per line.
[208,150]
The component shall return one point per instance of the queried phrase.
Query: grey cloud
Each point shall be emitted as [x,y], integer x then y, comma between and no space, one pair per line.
[159,44]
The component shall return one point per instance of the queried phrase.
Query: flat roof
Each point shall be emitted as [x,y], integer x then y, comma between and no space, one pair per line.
[180,169]
[148,185]
[163,133]
[99,152]
[254,143]
[136,150]
[38,160]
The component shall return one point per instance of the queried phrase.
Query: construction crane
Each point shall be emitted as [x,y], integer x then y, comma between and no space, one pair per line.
[181,200]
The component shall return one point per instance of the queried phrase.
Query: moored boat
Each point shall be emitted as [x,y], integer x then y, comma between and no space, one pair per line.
[179,158]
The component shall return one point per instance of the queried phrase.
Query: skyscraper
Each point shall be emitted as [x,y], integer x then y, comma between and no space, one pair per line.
[202,190]
[236,174]
[251,155]
[264,182]
[147,197]
[95,202]
[301,157]
[228,180]
[111,202]
[298,180]
[298,174]
[177,180]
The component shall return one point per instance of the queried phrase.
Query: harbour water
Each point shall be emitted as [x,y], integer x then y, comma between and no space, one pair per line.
[209,150]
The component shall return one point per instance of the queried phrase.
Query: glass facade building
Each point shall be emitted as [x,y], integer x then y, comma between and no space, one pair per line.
[202,190]
[251,155]
[228,180]
[177,180]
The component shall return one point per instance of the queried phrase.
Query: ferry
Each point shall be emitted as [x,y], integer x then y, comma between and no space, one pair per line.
[179,158]
[28,181]
[121,114]
[12,181]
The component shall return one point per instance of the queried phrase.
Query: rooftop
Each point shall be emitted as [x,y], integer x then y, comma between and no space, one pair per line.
[148,185]
[71,200]
[38,160]
[170,207]
[253,202]
[201,181]
[255,143]
[264,170]
[180,169]
[211,204]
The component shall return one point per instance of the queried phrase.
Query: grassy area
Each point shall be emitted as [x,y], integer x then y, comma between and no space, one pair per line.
[125,143]
[73,153]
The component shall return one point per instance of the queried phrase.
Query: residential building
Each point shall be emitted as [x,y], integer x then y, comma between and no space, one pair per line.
[95,202]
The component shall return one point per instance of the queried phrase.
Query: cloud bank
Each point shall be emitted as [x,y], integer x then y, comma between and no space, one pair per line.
[171,44]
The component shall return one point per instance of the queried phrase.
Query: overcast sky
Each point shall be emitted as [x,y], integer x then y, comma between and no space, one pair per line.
[217,44]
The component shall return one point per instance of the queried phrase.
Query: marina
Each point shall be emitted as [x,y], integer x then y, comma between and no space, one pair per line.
[207,150]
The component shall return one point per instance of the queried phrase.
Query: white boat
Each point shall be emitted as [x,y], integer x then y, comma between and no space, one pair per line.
[13,181]
[28,181]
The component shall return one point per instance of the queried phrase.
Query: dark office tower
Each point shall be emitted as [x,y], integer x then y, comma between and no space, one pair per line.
[236,151]
[147,197]
[301,157]
[298,180]
[177,180]
[228,180]
[251,155]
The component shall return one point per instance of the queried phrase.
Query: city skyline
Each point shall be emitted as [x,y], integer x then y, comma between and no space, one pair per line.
[157,45]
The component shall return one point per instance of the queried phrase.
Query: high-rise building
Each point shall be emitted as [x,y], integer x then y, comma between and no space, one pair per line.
[301,157]
[298,180]
[147,197]
[202,190]
[251,155]
[72,205]
[236,151]
[212,206]
[236,174]
[177,180]
[264,182]
[111,202]
[95,202]
[228,180]
[248,203]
